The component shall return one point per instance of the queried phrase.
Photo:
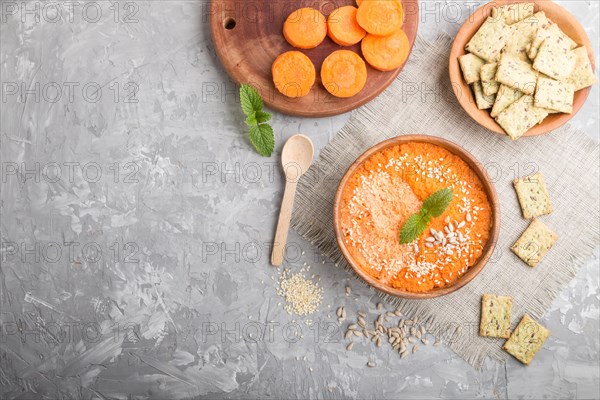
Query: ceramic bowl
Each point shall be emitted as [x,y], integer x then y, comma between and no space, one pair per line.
[557,14]
[477,168]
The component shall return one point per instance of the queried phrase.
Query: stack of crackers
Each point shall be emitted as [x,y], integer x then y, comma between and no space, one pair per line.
[523,67]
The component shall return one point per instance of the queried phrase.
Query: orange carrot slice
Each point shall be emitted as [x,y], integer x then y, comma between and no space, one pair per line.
[386,53]
[293,74]
[305,28]
[343,73]
[380,17]
[343,28]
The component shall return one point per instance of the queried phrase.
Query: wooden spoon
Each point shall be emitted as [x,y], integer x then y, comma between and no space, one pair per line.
[296,158]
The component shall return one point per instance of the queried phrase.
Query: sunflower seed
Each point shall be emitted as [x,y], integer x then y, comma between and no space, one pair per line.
[370,364]
[403,354]
[397,312]
[352,326]
[411,340]
[447,219]
[451,227]
[449,252]
[348,334]
[357,333]
[469,218]
[348,290]
[379,306]
[418,335]
[415,348]
[413,331]
[430,239]
[461,224]
[423,331]
[343,313]
[408,322]
[379,342]
[361,321]
[425,341]
[339,312]
[429,245]
[350,346]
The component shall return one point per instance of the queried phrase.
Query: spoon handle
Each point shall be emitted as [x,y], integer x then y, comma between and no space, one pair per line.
[285,214]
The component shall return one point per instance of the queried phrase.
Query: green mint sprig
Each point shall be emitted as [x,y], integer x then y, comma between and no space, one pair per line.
[261,133]
[433,206]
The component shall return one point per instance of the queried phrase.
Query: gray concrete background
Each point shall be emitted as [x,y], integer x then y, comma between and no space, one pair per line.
[136,221]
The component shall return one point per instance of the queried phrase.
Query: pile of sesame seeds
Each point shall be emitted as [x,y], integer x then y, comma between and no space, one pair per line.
[302,296]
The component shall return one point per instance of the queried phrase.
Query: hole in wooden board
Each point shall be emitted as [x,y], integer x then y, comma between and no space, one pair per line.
[229,23]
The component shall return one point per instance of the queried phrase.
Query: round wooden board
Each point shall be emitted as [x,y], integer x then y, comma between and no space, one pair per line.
[569,25]
[248,37]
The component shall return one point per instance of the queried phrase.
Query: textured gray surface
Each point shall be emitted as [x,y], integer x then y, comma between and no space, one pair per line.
[182,216]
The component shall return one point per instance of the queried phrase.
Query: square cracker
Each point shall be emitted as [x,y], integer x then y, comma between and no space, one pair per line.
[470,65]
[534,243]
[483,102]
[554,95]
[547,31]
[522,35]
[495,316]
[520,116]
[533,196]
[512,13]
[488,41]
[516,73]
[504,98]
[487,74]
[527,339]
[555,59]
[583,74]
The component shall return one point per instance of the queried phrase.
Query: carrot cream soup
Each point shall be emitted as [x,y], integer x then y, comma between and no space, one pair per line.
[390,186]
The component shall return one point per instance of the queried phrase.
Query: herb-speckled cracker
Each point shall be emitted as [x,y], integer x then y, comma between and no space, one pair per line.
[582,75]
[520,116]
[555,59]
[554,95]
[527,339]
[489,40]
[487,74]
[504,98]
[534,243]
[483,102]
[470,65]
[512,13]
[533,196]
[516,73]
[495,316]
[547,31]
[523,33]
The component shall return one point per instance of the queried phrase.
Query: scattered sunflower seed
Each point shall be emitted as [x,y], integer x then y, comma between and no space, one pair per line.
[370,364]
[350,346]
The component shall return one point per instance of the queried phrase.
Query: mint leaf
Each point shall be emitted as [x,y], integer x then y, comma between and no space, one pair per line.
[250,100]
[262,116]
[436,203]
[412,228]
[433,206]
[251,120]
[261,133]
[263,139]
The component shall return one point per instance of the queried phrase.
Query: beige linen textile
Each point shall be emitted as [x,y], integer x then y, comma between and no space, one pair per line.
[421,101]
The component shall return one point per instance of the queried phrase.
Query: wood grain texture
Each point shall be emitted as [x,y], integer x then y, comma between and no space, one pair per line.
[490,191]
[569,25]
[254,39]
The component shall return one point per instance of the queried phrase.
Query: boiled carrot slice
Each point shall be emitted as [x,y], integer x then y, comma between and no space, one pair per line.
[293,74]
[343,73]
[380,17]
[386,53]
[305,28]
[343,28]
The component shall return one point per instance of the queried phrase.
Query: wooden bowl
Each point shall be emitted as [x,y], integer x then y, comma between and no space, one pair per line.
[557,14]
[490,191]
[247,36]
